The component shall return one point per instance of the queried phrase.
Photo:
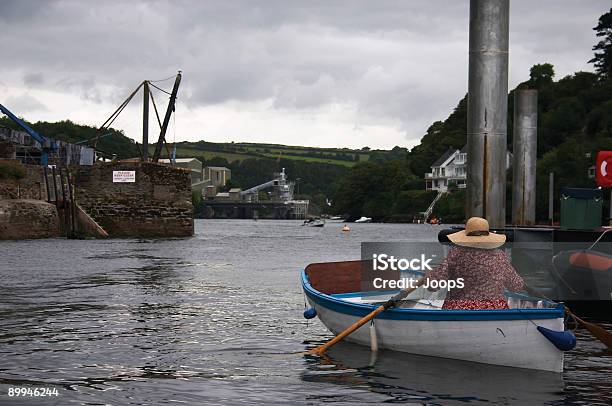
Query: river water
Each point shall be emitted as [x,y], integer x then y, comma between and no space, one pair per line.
[215,319]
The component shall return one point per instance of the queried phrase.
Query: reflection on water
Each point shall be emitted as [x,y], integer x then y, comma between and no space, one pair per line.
[217,319]
[413,378]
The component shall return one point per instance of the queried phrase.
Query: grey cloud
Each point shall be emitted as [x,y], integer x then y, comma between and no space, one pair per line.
[33,79]
[85,86]
[20,11]
[25,102]
[397,62]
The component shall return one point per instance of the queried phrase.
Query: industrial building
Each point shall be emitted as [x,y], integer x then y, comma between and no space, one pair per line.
[277,202]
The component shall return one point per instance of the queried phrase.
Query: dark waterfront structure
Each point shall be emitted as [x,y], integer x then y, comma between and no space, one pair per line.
[262,209]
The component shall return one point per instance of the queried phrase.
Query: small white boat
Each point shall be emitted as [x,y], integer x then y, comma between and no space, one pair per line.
[508,337]
[363,219]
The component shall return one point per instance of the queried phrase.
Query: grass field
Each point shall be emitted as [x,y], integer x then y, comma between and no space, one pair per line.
[241,151]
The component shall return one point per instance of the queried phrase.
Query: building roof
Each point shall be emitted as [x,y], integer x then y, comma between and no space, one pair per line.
[444,157]
[235,190]
[464,149]
[218,168]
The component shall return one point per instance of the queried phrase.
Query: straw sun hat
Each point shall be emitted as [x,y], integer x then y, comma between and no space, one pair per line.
[477,235]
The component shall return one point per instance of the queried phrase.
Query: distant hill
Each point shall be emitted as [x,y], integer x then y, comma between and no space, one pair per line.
[114,142]
[238,151]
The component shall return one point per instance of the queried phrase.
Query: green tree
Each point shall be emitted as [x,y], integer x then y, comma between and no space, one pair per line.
[440,136]
[541,75]
[603,49]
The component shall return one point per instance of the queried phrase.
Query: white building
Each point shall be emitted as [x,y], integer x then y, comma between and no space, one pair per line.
[451,168]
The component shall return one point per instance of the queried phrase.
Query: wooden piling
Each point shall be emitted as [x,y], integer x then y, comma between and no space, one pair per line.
[64,205]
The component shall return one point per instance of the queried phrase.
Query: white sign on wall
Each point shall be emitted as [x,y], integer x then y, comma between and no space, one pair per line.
[124,176]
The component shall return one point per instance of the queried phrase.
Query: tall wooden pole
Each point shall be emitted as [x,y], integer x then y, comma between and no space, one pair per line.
[145,122]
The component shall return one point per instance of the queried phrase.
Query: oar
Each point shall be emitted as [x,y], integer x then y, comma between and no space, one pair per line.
[597,331]
[387,305]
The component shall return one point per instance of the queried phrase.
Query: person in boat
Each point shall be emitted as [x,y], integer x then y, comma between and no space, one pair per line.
[485,269]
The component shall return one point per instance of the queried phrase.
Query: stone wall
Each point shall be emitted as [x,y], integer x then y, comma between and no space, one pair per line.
[31,186]
[25,219]
[157,204]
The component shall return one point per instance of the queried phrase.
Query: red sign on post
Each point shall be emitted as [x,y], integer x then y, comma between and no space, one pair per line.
[603,169]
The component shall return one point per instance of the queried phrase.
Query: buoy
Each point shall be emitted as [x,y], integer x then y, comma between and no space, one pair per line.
[310,313]
[563,340]
[373,338]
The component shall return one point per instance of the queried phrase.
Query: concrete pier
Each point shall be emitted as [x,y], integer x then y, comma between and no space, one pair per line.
[487,110]
[525,133]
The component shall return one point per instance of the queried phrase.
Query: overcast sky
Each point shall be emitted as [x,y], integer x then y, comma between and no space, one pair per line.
[317,73]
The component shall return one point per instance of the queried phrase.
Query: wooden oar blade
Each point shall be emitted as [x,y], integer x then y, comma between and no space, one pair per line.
[322,348]
[598,331]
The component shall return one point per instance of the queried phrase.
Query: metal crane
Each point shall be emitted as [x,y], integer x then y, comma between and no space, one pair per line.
[169,111]
[46,144]
[148,95]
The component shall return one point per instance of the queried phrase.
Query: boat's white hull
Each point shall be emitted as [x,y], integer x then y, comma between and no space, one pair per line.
[364,220]
[513,343]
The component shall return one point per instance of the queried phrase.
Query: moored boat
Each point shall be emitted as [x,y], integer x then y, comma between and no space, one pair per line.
[363,219]
[501,337]
[314,222]
[584,281]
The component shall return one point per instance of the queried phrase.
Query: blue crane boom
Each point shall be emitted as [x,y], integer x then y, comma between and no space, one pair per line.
[45,143]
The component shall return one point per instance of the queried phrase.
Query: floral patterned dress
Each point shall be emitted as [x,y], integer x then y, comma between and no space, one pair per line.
[486,273]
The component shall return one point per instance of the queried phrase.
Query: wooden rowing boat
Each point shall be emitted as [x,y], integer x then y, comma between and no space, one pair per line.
[499,337]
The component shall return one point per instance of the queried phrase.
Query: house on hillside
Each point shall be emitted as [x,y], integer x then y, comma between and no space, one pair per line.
[451,168]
